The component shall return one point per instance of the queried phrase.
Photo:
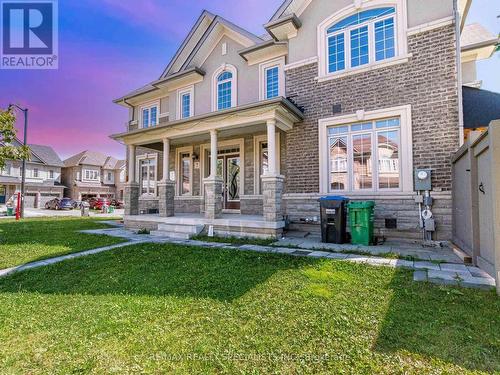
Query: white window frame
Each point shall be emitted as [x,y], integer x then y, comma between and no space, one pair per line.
[149,106]
[185,90]
[51,174]
[91,173]
[405,143]
[138,173]
[234,86]
[401,38]
[178,152]
[263,67]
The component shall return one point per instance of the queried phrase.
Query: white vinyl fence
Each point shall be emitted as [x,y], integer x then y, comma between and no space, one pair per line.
[476,200]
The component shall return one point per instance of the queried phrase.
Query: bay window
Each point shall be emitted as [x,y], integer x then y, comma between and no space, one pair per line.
[91,175]
[365,156]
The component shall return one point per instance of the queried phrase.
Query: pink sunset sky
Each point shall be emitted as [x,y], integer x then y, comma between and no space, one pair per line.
[110,47]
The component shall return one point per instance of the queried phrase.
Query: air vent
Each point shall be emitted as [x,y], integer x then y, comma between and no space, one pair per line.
[391,223]
[337,108]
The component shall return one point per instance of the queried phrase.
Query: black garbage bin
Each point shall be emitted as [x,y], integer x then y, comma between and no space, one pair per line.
[333,219]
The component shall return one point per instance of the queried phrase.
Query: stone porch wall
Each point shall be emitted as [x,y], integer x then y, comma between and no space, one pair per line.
[148,206]
[188,205]
[251,205]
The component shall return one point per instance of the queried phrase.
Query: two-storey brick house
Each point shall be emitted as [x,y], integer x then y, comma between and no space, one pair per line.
[90,174]
[339,98]
[43,177]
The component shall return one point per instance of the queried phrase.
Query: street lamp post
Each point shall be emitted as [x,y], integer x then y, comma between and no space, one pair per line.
[25,141]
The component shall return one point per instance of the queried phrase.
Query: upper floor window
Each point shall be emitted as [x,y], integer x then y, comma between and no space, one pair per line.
[6,170]
[272,79]
[354,40]
[35,172]
[272,82]
[224,88]
[186,105]
[361,38]
[92,175]
[185,100]
[149,116]
[51,174]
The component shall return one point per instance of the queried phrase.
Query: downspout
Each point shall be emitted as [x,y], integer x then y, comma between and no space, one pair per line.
[459,73]
[133,112]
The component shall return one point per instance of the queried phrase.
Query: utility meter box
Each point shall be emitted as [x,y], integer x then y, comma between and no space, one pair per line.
[422,179]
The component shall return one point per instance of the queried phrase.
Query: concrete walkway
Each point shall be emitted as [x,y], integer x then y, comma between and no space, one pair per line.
[425,271]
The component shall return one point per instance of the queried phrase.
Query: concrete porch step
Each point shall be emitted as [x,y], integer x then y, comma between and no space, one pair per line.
[177,231]
[172,235]
[192,229]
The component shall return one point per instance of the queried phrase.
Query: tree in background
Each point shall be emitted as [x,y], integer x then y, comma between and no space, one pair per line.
[7,136]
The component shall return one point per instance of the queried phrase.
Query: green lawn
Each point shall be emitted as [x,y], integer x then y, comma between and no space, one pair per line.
[164,309]
[34,239]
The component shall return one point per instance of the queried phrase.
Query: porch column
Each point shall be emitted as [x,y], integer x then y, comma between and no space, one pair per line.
[166,188]
[213,184]
[271,147]
[272,183]
[131,196]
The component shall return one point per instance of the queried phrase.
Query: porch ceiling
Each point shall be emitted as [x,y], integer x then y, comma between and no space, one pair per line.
[249,118]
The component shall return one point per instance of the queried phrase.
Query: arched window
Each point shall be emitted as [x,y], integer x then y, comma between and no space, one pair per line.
[224,87]
[224,90]
[365,37]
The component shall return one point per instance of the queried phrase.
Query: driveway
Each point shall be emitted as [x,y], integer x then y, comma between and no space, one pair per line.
[36,212]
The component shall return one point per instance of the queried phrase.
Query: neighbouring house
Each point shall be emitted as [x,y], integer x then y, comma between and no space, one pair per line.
[43,177]
[246,132]
[90,174]
[480,107]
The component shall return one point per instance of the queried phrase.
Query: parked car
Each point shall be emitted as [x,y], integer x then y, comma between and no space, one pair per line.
[60,204]
[97,203]
[117,203]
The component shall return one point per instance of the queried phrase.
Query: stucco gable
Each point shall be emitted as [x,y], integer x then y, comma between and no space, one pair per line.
[219,29]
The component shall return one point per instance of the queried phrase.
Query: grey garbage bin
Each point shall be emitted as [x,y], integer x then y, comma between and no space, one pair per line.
[333,219]
[85,209]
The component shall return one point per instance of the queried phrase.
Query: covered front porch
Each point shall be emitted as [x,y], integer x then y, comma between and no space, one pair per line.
[171,171]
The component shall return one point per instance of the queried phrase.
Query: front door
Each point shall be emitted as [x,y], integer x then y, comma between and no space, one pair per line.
[3,194]
[228,168]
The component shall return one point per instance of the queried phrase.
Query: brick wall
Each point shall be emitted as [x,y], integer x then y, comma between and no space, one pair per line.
[427,82]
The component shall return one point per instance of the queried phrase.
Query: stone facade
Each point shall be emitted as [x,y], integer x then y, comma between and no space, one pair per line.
[428,82]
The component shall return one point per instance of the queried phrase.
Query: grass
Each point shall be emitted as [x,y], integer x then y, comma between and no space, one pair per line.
[235,240]
[35,239]
[154,308]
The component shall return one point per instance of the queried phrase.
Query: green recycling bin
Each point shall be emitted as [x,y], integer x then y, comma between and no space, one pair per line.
[10,211]
[361,222]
